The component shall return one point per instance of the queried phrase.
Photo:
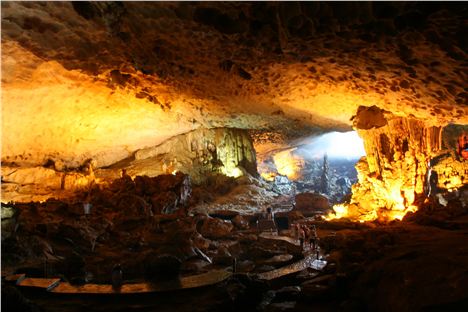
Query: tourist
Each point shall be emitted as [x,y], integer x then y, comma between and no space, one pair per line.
[307,234]
[301,237]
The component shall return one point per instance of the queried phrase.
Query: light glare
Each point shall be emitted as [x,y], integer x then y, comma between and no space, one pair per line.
[336,145]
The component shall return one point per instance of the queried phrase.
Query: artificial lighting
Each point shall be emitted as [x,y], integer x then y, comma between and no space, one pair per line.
[268,176]
[232,172]
[339,211]
[288,164]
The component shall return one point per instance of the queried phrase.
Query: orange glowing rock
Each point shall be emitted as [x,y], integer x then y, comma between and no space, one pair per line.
[269,176]
[288,164]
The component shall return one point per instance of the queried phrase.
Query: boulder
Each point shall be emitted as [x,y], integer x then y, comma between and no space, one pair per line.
[161,267]
[294,216]
[216,228]
[200,242]
[167,192]
[133,207]
[223,256]
[311,204]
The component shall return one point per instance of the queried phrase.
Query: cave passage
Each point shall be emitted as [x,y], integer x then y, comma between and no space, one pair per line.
[321,164]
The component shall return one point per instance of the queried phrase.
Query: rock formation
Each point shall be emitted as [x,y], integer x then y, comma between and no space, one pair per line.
[199,153]
[392,176]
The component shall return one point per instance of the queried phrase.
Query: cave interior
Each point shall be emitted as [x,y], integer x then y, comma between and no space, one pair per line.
[225,156]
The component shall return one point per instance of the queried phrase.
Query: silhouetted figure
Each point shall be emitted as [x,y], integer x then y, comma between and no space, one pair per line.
[433,189]
[117,277]
[313,238]
[301,237]
[427,186]
[308,234]
[297,230]
[293,231]
[123,173]
[433,181]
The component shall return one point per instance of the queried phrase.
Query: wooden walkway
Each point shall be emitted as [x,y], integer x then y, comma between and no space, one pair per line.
[55,286]
[309,261]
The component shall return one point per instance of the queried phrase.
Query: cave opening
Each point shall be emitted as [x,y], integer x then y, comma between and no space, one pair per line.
[321,164]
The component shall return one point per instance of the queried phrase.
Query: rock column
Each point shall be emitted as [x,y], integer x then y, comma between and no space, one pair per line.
[391,177]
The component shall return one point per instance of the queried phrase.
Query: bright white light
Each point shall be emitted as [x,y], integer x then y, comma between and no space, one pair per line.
[336,145]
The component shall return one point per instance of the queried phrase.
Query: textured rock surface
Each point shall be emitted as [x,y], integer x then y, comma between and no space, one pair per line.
[452,173]
[101,80]
[198,153]
[392,176]
[310,204]
[39,183]
[215,228]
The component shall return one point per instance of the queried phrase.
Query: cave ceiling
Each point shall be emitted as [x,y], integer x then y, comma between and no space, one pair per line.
[103,79]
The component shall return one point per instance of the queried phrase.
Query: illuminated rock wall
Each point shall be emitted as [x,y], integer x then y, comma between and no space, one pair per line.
[452,173]
[391,178]
[451,168]
[198,153]
[24,184]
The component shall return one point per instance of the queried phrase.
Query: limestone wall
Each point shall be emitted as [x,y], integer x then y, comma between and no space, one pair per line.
[452,173]
[197,153]
[222,150]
